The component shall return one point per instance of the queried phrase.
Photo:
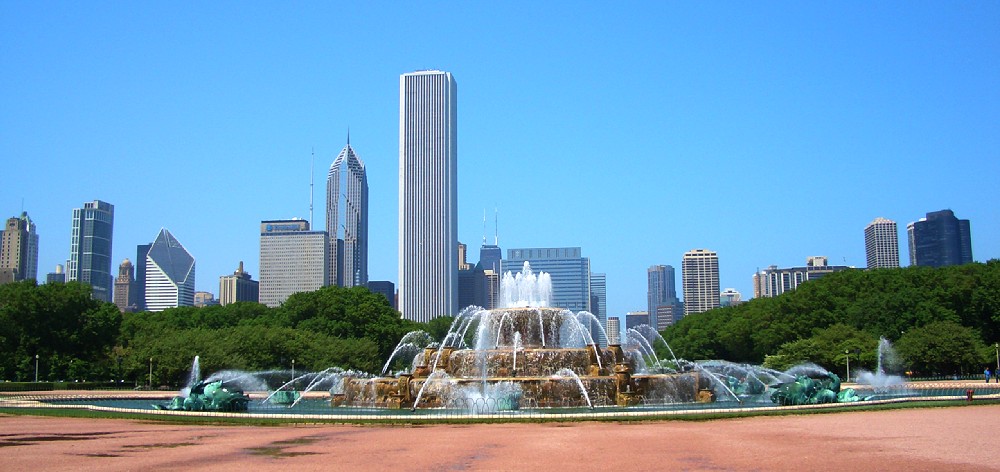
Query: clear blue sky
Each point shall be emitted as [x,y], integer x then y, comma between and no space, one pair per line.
[767,132]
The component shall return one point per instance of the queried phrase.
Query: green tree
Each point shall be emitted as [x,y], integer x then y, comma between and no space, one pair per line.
[942,348]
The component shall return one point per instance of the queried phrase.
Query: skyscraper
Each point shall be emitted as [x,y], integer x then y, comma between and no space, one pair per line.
[700,271]
[940,239]
[169,274]
[292,259]
[599,305]
[614,330]
[90,248]
[125,287]
[19,248]
[661,296]
[239,287]
[347,219]
[141,251]
[882,244]
[428,195]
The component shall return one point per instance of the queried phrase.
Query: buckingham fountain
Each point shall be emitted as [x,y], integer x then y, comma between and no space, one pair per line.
[524,355]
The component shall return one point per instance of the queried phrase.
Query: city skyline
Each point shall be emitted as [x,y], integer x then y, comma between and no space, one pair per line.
[677,116]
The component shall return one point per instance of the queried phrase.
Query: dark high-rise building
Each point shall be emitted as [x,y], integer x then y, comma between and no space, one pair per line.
[940,239]
[386,288]
[19,249]
[90,248]
[661,297]
[125,288]
[141,251]
[347,219]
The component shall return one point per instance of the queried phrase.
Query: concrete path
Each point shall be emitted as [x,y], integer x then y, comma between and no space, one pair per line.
[946,439]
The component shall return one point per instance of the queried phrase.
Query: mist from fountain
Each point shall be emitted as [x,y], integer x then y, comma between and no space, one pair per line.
[525,289]
[412,343]
[887,361]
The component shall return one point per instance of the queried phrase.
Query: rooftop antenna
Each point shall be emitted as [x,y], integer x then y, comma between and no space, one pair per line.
[484,226]
[312,174]
[496,231]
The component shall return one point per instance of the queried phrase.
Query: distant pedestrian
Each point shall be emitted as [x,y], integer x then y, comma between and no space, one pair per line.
[987,374]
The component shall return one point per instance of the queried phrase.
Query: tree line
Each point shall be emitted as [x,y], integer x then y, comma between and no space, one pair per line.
[78,338]
[942,321]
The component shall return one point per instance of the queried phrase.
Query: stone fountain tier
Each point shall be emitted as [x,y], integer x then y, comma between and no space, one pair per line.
[535,327]
[621,389]
[492,363]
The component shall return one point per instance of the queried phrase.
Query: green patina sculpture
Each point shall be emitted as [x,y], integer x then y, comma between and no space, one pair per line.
[810,391]
[209,396]
[284,397]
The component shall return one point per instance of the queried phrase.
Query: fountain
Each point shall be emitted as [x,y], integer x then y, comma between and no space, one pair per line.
[527,355]
[206,395]
[524,354]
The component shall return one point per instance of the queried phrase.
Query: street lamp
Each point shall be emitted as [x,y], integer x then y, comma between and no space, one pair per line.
[995,346]
[293,372]
[847,354]
[150,373]
[36,368]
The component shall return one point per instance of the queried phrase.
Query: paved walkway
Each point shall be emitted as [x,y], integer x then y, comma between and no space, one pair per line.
[946,439]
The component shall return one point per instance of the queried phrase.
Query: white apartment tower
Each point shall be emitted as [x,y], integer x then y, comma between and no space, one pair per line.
[882,244]
[169,274]
[347,219]
[700,270]
[428,195]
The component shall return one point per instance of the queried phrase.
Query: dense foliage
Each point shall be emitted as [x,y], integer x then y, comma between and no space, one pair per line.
[79,338]
[943,321]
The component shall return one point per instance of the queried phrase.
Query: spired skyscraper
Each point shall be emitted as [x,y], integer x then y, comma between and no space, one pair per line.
[882,244]
[90,248]
[428,195]
[169,274]
[347,219]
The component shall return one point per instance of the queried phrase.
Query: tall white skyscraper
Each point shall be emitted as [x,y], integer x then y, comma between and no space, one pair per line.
[347,219]
[882,244]
[428,195]
[169,274]
[90,248]
[292,259]
[700,271]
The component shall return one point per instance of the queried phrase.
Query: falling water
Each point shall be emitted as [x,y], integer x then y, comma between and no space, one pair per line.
[411,342]
[568,373]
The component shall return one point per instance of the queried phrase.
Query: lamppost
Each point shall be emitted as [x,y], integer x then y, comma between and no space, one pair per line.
[36,368]
[293,372]
[995,346]
[150,373]
[847,354]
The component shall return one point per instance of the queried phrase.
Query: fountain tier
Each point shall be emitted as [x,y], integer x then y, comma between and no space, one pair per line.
[537,357]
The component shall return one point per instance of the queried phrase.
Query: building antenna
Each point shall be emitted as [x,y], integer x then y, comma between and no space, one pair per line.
[484,226]
[312,173]
[496,231]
